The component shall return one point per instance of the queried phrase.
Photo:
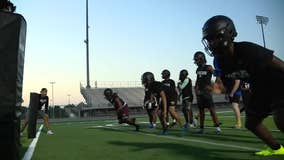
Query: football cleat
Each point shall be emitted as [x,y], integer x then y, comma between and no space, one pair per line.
[218,130]
[49,132]
[269,152]
[200,131]
[137,127]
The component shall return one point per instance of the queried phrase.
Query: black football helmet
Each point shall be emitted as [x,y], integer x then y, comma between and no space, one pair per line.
[7,5]
[199,58]
[183,74]
[108,93]
[218,33]
[147,79]
[166,74]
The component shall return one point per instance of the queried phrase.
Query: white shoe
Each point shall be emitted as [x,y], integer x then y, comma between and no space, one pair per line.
[218,130]
[49,132]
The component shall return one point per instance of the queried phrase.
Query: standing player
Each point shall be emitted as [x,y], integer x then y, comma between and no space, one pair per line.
[171,84]
[203,90]
[168,98]
[264,71]
[121,108]
[185,89]
[233,92]
[42,111]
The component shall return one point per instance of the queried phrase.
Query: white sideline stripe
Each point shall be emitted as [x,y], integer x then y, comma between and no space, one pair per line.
[223,128]
[205,142]
[196,141]
[29,153]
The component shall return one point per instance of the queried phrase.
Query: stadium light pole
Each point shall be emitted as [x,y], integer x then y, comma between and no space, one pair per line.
[262,21]
[87,44]
[68,98]
[52,94]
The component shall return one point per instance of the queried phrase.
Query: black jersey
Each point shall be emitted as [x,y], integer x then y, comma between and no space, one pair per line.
[204,77]
[114,103]
[172,86]
[43,103]
[157,87]
[185,88]
[147,96]
[266,82]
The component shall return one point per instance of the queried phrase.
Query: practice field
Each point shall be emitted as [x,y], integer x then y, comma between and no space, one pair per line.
[106,140]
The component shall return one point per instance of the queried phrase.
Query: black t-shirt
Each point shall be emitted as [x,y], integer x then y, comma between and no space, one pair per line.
[172,85]
[204,77]
[43,102]
[157,87]
[266,82]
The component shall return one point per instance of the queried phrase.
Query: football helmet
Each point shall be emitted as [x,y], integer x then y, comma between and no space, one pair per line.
[183,74]
[166,74]
[218,33]
[199,58]
[147,79]
[108,93]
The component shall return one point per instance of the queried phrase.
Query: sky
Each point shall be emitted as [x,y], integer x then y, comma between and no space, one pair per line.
[128,38]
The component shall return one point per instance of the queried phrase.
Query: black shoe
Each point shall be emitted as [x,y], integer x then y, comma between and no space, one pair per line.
[137,127]
[172,124]
[200,131]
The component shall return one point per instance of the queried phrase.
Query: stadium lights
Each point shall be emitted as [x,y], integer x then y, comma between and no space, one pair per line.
[68,98]
[262,20]
[52,83]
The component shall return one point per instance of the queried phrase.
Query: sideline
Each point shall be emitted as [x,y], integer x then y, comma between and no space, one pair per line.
[30,151]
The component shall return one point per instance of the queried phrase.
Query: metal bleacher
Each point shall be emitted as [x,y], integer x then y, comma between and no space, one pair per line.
[133,95]
[94,97]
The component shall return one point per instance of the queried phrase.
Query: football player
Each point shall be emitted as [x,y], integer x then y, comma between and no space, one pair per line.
[42,112]
[233,92]
[151,105]
[185,89]
[168,98]
[174,91]
[121,108]
[263,70]
[203,90]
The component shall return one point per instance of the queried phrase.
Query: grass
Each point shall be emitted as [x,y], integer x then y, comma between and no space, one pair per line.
[85,140]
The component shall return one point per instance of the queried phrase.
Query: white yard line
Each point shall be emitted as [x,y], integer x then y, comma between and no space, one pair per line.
[204,142]
[29,153]
[188,140]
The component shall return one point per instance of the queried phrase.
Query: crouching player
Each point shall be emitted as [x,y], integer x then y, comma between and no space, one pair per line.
[168,100]
[263,70]
[151,105]
[121,108]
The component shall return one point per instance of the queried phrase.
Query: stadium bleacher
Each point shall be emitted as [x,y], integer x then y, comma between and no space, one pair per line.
[132,95]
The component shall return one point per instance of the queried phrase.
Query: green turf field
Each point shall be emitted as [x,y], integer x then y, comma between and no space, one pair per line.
[106,140]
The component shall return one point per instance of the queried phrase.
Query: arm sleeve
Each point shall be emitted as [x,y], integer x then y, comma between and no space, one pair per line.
[184,83]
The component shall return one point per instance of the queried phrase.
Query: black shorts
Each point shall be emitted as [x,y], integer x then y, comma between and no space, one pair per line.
[186,104]
[205,100]
[171,101]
